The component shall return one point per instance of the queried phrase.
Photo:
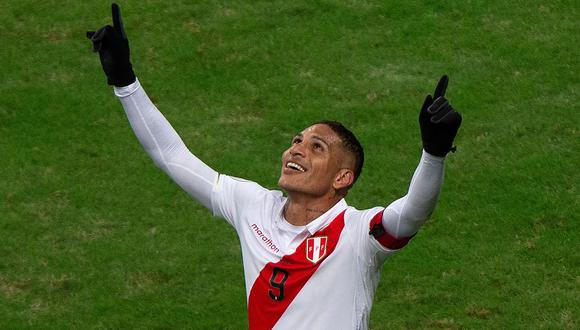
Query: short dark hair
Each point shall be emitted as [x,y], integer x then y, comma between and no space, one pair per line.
[349,143]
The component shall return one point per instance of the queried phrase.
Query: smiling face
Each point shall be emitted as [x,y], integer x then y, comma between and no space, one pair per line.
[316,164]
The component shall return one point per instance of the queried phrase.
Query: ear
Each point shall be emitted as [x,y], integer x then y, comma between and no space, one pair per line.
[343,179]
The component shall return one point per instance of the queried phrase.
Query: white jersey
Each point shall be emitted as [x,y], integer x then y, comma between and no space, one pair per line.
[319,276]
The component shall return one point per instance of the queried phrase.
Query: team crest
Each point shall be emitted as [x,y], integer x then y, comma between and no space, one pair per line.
[316,248]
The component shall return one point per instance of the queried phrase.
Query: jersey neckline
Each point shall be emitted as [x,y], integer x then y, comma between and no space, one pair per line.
[316,224]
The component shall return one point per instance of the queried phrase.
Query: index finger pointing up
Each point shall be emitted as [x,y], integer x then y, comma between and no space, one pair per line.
[441,87]
[117,21]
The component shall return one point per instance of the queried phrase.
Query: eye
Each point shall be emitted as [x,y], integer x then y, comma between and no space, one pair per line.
[317,146]
[296,140]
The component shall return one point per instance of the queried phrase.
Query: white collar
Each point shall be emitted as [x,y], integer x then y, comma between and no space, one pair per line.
[318,223]
[325,219]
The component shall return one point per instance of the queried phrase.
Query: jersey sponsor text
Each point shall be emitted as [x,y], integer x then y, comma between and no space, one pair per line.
[265,239]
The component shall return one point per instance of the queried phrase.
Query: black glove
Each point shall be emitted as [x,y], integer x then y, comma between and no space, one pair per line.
[439,122]
[113,47]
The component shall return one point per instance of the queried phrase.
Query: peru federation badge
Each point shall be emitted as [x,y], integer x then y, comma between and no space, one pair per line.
[316,248]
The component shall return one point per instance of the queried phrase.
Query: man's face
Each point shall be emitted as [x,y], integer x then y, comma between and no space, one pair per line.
[314,162]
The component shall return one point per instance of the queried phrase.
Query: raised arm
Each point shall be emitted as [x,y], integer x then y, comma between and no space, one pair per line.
[154,132]
[439,124]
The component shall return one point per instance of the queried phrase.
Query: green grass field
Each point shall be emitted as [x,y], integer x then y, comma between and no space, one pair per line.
[93,235]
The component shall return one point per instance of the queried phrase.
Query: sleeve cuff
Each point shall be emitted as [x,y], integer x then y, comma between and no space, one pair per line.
[383,237]
[427,156]
[127,90]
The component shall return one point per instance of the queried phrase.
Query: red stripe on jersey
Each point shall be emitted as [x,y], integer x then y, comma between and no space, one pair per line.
[382,235]
[279,283]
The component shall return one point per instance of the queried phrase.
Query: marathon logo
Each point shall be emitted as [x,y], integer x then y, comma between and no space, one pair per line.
[265,239]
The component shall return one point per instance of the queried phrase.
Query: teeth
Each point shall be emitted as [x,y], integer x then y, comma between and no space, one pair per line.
[295,166]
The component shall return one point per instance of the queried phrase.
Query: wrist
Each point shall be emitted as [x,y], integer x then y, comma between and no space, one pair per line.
[122,78]
[124,91]
[432,157]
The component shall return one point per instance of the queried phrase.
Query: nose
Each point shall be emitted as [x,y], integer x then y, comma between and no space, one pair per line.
[297,149]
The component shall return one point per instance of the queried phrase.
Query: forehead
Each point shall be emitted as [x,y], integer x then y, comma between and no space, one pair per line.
[321,131]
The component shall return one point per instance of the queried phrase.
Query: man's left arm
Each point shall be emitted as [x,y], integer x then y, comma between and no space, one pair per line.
[439,124]
[403,218]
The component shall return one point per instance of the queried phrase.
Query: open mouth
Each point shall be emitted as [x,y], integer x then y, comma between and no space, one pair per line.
[296,167]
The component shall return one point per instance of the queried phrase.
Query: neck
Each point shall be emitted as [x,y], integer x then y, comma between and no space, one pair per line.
[302,210]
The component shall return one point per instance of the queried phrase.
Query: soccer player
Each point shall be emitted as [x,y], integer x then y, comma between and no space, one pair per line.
[311,261]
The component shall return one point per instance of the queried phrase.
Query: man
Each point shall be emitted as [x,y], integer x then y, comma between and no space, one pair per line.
[310,260]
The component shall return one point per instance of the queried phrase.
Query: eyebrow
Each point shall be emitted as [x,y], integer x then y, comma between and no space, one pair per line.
[321,140]
[316,137]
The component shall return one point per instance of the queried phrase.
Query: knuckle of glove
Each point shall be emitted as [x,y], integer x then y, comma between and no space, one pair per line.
[100,37]
[436,103]
[441,115]
[101,33]
[452,119]
[441,111]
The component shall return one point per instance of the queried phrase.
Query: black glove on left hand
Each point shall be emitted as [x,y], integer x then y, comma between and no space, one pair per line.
[113,47]
[438,121]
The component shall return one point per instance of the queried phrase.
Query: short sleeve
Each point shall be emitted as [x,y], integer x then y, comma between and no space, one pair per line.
[383,237]
[372,243]
[232,196]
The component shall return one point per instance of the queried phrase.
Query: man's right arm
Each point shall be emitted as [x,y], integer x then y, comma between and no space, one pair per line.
[164,145]
[152,129]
